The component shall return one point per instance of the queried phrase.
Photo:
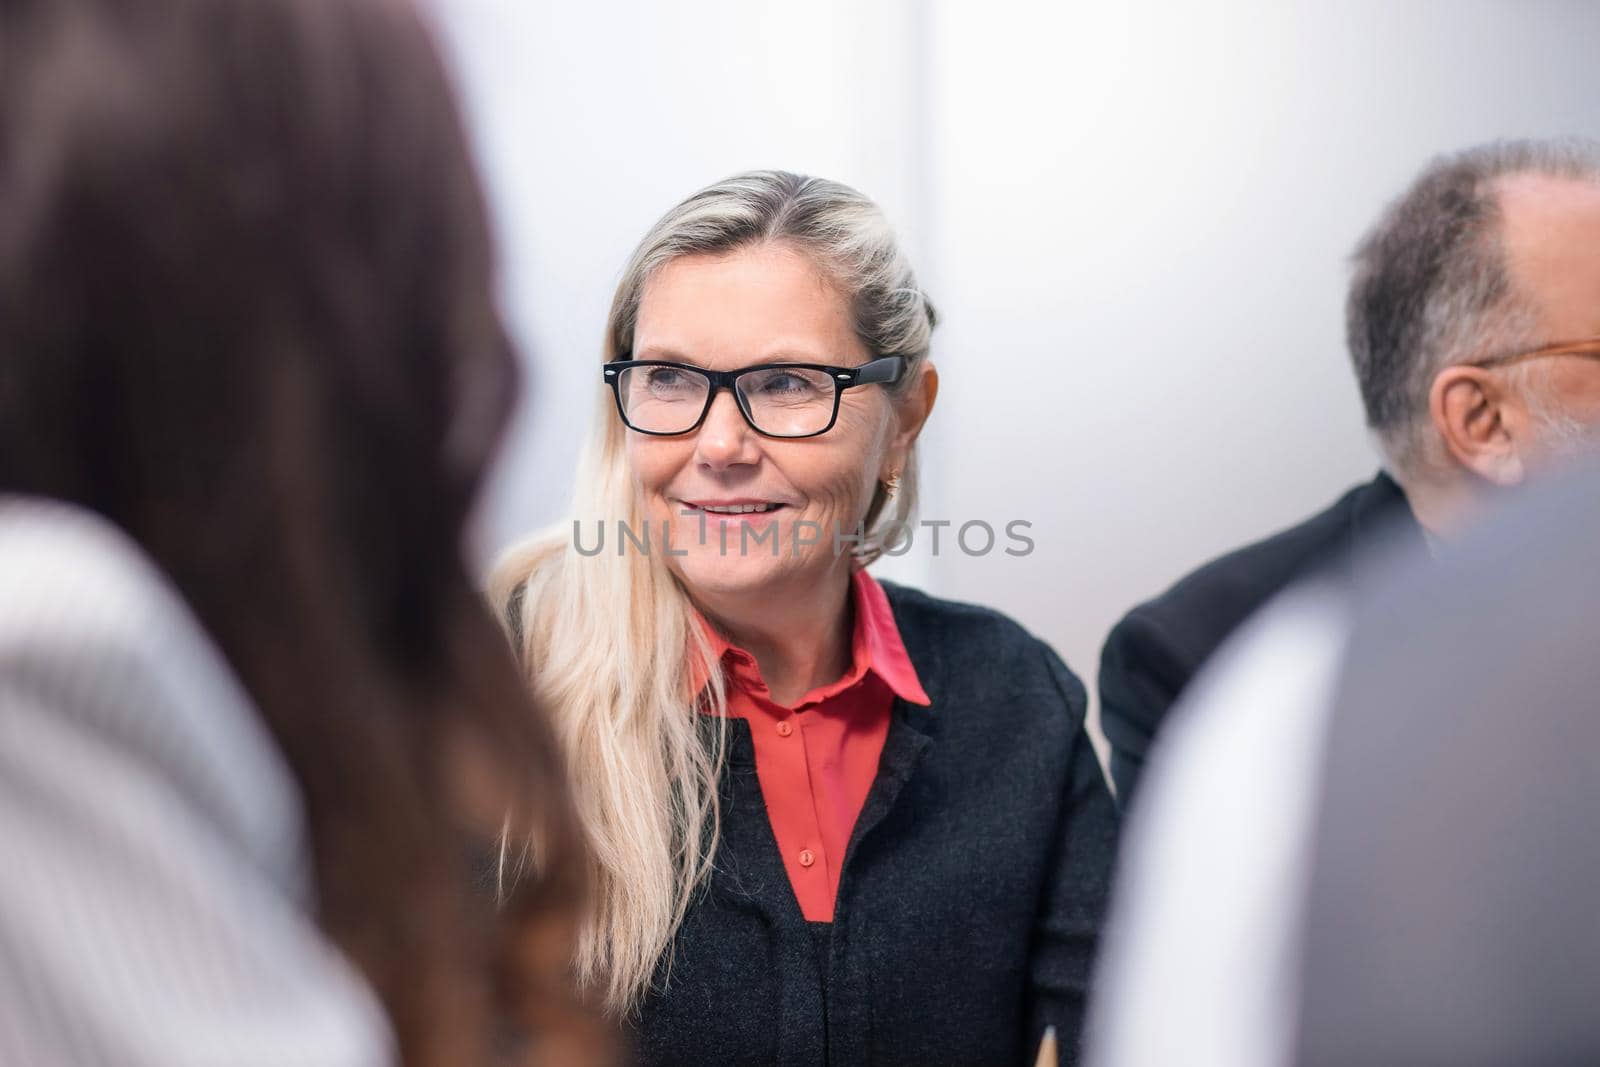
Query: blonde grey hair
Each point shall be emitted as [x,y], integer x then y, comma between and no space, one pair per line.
[611,644]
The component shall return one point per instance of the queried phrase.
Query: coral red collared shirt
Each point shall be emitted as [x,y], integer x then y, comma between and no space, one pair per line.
[817,761]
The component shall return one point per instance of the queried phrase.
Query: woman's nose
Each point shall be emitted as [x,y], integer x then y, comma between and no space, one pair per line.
[725,439]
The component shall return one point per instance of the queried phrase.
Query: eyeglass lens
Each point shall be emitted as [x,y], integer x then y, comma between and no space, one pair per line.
[782,401]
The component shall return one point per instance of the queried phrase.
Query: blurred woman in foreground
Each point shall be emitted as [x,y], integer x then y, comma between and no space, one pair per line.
[250,379]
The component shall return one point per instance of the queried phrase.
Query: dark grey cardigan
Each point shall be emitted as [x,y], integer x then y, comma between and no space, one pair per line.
[971,894]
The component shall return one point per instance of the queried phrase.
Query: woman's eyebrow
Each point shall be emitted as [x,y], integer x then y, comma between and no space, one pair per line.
[790,355]
[671,355]
[777,355]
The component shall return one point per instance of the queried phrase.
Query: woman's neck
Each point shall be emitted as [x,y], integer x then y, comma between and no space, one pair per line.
[799,641]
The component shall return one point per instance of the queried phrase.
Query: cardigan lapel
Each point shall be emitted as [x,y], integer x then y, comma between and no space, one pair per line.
[849,998]
[907,742]
[912,728]
[750,874]
[749,867]
[750,877]
[752,865]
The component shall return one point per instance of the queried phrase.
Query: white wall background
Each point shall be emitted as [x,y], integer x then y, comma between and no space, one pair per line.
[1133,216]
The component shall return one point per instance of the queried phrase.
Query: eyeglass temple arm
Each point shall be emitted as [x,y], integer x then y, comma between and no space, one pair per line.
[878,371]
[1590,347]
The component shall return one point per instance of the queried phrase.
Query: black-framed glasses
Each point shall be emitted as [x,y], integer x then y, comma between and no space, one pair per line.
[777,399]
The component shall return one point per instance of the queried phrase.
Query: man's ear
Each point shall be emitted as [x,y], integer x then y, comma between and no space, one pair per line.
[1485,426]
[913,407]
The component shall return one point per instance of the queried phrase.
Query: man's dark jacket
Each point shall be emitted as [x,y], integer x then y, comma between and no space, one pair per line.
[971,895]
[1159,645]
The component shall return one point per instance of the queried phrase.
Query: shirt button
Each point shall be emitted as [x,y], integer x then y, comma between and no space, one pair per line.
[807,857]
[785,729]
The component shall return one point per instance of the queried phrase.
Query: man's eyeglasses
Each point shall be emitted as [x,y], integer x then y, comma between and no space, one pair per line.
[1590,348]
[777,399]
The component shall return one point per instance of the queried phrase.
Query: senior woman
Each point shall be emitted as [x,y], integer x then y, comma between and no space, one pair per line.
[833,820]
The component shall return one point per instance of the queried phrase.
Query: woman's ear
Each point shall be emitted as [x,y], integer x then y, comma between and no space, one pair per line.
[913,407]
[1486,427]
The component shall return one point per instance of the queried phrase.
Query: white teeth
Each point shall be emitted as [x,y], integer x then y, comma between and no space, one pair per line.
[738,509]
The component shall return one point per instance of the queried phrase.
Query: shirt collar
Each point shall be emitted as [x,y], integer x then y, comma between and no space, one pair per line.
[875,646]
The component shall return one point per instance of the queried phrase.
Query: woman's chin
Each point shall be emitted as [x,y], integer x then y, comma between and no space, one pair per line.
[707,574]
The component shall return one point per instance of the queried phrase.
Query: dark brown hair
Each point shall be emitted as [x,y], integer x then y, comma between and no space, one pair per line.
[246,313]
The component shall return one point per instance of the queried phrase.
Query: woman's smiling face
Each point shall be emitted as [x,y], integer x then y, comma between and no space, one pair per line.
[763,304]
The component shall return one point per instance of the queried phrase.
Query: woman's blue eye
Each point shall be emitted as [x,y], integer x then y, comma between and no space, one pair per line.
[786,383]
[667,378]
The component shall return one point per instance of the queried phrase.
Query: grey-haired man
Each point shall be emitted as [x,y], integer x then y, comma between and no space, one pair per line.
[1473,322]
